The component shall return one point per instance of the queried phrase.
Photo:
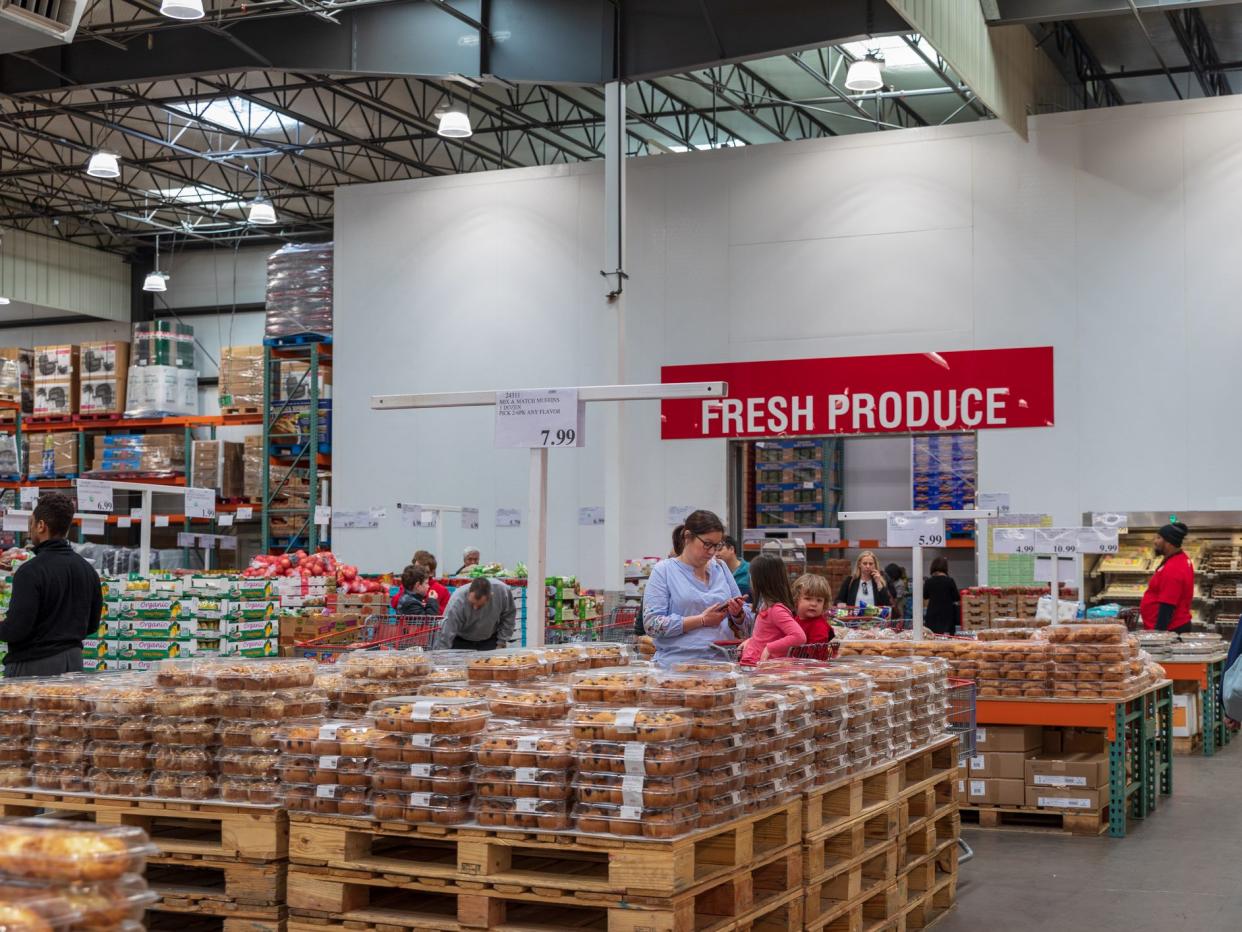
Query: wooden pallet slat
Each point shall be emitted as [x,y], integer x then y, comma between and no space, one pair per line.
[828,852]
[874,870]
[221,888]
[1023,819]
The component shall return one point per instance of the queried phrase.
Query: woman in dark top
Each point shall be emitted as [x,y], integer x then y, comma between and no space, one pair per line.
[940,598]
[867,586]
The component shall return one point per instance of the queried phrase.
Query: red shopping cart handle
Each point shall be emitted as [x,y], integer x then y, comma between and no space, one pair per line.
[733,643]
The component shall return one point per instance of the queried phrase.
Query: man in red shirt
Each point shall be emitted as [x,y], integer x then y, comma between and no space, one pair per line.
[1166,603]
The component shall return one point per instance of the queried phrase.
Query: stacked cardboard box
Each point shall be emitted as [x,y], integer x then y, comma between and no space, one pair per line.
[241,376]
[996,775]
[145,454]
[292,381]
[52,455]
[217,464]
[56,370]
[17,377]
[253,456]
[104,378]
[1072,777]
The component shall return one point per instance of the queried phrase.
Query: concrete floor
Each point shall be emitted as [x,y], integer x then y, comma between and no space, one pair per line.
[1177,871]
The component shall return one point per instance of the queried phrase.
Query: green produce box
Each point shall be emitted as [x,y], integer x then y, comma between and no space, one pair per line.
[148,649]
[254,589]
[156,629]
[247,629]
[95,647]
[131,610]
[256,647]
[253,610]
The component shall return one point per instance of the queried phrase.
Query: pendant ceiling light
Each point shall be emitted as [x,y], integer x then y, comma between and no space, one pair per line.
[103,165]
[455,124]
[156,280]
[864,75]
[261,211]
[182,9]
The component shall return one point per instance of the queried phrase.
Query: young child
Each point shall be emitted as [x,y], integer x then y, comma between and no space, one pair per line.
[417,599]
[776,629]
[811,597]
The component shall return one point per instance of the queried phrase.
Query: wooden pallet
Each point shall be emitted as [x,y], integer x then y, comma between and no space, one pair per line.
[353,899]
[850,882]
[238,410]
[827,852]
[101,416]
[925,874]
[926,799]
[232,889]
[1024,819]
[185,829]
[65,419]
[157,921]
[930,834]
[878,911]
[1191,745]
[933,906]
[927,765]
[603,866]
[852,798]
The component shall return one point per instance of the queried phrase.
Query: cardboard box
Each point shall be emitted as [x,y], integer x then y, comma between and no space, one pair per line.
[154,629]
[308,627]
[53,455]
[1083,741]
[241,376]
[992,792]
[55,398]
[1186,716]
[154,649]
[55,363]
[1009,738]
[253,456]
[161,391]
[1003,765]
[1085,771]
[17,376]
[1068,797]
[257,647]
[217,464]
[164,343]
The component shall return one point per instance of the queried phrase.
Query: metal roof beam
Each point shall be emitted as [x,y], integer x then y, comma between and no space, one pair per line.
[1196,41]
[1031,12]
[1077,62]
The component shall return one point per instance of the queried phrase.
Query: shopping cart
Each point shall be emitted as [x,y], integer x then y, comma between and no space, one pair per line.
[729,650]
[960,721]
[821,650]
[399,632]
[617,626]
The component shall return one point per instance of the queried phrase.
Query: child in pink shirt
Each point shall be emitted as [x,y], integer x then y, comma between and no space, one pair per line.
[776,628]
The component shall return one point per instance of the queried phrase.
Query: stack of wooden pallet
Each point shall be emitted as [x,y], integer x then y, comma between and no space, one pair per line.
[220,867]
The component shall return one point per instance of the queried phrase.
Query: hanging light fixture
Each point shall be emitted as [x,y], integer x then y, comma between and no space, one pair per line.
[261,211]
[103,164]
[865,74]
[156,280]
[455,123]
[182,9]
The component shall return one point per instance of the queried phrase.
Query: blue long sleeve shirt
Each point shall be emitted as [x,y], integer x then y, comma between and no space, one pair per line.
[673,593]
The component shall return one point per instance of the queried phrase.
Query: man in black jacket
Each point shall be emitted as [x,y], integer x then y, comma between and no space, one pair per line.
[56,599]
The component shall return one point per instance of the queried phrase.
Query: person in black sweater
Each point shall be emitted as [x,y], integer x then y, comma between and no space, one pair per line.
[417,597]
[940,596]
[867,585]
[56,600]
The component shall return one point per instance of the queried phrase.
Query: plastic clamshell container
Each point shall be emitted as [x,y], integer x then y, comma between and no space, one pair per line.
[48,751]
[347,737]
[108,905]
[118,755]
[610,686]
[636,790]
[195,786]
[635,821]
[187,703]
[523,782]
[273,705]
[525,746]
[59,694]
[426,748]
[72,852]
[131,783]
[534,702]
[703,666]
[633,723]
[17,750]
[256,791]
[436,808]
[67,726]
[182,759]
[33,906]
[725,750]
[106,726]
[325,799]
[455,689]
[505,666]
[421,778]
[694,690]
[14,725]
[245,762]
[16,696]
[566,658]
[14,776]
[258,736]
[387,664]
[324,770]
[251,675]
[667,758]
[59,777]
[608,654]
[710,724]
[200,732]
[522,812]
[723,807]
[420,714]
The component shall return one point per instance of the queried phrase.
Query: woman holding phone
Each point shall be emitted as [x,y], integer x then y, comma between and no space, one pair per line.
[867,586]
[692,600]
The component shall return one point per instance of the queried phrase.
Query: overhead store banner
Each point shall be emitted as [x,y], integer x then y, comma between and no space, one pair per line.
[900,394]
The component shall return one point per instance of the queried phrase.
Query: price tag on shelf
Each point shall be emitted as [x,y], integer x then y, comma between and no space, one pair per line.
[1062,541]
[550,417]
[997,500]
[323,515]
[200,503]
[28,496]
[1110,520]
[354,519]
[124,521]
[94,525]
[228,543]
[160,521]
[1067,570]
[94,495]
[677,514]
[136,514]
[1097,540]
[185,540]
[1013,540]
[914,529]
[225,520]
[508,517]
[470,519]
[591,516]
[245,513]
[17,521]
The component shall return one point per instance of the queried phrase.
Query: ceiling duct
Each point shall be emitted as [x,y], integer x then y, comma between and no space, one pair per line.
[36,24]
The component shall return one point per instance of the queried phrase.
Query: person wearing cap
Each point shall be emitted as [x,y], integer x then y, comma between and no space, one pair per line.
[470,556]
[1166,603]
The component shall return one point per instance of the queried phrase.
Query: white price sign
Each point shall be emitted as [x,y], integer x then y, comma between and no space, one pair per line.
[94,495]
[508,517]
[93,526]
[17,521]
[677,514]
[470,519]
[245,513]
[550,417]
[200,503]
[915,529]
[1013,540]
[161,520]
[226,520]
[1110,521]
[1062,541]
[323,515]
[995,500]
[354,519]
[1097,540]
[28,496]
[124,521]
[591,516]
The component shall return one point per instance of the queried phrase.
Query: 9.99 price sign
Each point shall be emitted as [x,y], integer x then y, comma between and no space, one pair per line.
[549,417]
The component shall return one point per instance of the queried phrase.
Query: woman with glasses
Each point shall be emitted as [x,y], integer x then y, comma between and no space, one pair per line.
[691,599]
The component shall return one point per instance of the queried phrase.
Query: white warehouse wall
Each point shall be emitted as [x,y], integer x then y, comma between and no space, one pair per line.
[1107,236]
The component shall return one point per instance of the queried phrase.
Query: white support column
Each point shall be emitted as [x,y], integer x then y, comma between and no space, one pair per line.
[537,546]
[916,597]
[614,271]
[1052,588]
[144,534]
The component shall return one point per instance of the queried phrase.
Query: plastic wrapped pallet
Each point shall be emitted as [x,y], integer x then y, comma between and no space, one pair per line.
[161,391]
[241,376]
[53,455]
[217,464]
[17,376]
[139,454]
[299,290]
[252,467]
[164,343]
[10,458]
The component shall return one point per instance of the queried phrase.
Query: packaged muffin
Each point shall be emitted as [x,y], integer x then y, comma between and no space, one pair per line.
[72,852]
[522,783]
[693,690]
[325,799]
[387,665]
[671,758]
[187,703]
[609,686]
[14,725]
[110,905]
[608,654]
[65,726]
[256,736]
[104,726]
[424,778]
[505,666]
[717,781]
[635,821]
[726,750]
[566,658]
[47,751]
[131,783]
[14,776]
[117,755]
[393,747]
[723,807]
[245,762]
[200,732]
[533,702]
[418,715]
[59,777]
[255,791]
[521,745]
[593,723]
[453,689]
[522,812]
[347,737]
[182,759]
[420,808]
[710,724]
[173,785]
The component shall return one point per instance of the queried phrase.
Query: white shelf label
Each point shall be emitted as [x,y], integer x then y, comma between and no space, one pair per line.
[997,500]
[914,529]
[94,495]
[124,521]
[161,520]
[470,519]
[1110,520]
[1097,540]
[225,520]
[508,517]
[549,417]
[1013,540]
[323,515]
[28,496]
[591,516]
[200,503]
[1061,541]
[245,513]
